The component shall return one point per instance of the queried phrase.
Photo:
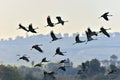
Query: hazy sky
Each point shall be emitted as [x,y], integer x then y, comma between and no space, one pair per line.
[80,14]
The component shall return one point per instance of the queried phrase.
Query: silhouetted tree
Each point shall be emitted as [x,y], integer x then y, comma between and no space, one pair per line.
[94,66]
[9,73]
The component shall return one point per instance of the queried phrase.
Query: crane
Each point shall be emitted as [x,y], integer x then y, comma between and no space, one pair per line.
[60,21]
[59,52]
[78,40]
[37,48]
[53,36]
[105,16]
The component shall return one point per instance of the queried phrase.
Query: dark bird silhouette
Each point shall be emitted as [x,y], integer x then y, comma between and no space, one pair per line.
[38,65]
[103,30]
[62,68]
[51,74]
[24,58]
[62,61]
[44,60]
[78,40]
[54,38]
[31,29]
[60,21]
[49,22]
[59,52]
[89,38]
[22,27]
[37,48]
[92,33]
[105,16]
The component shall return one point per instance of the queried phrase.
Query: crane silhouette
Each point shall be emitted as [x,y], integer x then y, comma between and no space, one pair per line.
[51,74]
[37,48]
[92,33]
[49,22]
[89,37]
[78,40]
[62,68]
[31,29]
[105,16]
[59,52]
[103,30]
[24,58]
[22,27]
[44,60]
[62,61]
[60,21]
[38,65]
[54,38]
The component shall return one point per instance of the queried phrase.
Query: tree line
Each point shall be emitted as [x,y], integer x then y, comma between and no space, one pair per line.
[91,71]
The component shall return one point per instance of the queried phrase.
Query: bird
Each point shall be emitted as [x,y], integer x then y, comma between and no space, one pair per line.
[103,30]
[59,52]
[37,48]
[22,27]
[51,74]
[62,68]
[92,33]
[24,58]
[54,38]
[60,21]
[62,61]
[105,16]
[44,60]
[78,40]
[38,65]
[31,29]
[49,22]
[89,38]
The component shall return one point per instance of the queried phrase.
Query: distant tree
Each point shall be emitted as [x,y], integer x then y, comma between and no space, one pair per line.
[100,76]
[113,67]
[29,76]
[9,73]
[94,66]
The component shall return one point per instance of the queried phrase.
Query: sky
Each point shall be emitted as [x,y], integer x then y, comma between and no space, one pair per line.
[80,14]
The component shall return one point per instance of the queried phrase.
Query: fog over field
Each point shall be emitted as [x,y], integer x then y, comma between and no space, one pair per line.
[102,48]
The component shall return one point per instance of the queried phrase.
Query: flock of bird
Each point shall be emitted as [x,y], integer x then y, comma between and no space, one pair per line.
[89,34]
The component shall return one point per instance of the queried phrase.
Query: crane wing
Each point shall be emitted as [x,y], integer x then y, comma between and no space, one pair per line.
[105,32]
[77,38]
[53,36]
[22,27]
